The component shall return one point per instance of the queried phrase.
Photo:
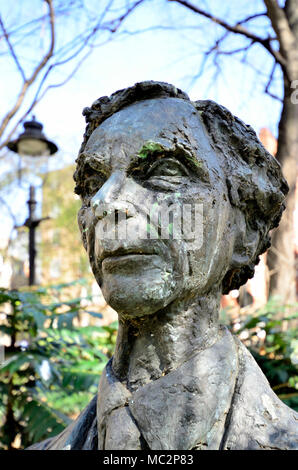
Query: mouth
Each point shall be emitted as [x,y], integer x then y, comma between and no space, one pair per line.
[128,262]
[125,253]
[115,257]
[122,257]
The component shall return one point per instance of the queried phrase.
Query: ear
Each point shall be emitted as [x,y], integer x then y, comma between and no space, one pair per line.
[246,241]
[247,238]
[244,253]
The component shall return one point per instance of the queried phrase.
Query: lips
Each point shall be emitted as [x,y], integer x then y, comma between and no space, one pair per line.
[129,263]
[116,259]
[125,252]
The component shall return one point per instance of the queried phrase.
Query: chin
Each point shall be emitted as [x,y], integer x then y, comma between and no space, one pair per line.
[136,297]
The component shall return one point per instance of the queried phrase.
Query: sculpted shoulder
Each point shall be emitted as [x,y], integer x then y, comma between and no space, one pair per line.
[219,399]
[258,418]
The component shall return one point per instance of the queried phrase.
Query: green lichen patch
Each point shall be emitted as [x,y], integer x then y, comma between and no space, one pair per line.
[150,147]
[190,158]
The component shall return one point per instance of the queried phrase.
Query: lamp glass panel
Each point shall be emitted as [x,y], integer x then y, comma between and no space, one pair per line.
[33,147]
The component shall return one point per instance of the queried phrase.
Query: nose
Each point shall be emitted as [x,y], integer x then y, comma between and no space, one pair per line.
[110,198]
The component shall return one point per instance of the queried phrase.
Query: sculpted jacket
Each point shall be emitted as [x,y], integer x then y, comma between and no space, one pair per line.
[218,399]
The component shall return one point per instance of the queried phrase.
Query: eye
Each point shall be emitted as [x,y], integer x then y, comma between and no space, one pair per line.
[167,168]
[166,175]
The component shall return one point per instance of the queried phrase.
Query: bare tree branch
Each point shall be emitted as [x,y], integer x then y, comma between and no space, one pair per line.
[269,84]
[28,82]
[237,28]
[226,34]
[217,51]
[15,58]
[280,25]
[60,10]
[236,51]
[73,48]
[38,97]
[128,11]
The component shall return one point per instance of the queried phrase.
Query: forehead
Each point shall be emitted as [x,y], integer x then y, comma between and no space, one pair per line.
[166,121]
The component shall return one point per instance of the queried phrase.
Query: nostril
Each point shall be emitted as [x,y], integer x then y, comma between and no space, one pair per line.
[130,213]
[100,212]
[126,208]
[101,209]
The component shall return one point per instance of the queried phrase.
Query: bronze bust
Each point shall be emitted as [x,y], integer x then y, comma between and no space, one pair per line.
[178,379]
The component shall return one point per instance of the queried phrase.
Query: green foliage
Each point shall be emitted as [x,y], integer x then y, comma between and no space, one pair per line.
[48,380]
[149,148]
[61,252]
[271,336]
[46,383]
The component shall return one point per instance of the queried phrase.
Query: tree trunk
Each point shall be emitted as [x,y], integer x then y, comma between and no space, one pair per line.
[281,257]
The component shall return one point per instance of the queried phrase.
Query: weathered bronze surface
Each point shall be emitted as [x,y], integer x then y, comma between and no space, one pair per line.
[178,379]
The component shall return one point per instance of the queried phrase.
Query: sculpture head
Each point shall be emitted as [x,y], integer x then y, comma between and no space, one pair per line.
[148,149]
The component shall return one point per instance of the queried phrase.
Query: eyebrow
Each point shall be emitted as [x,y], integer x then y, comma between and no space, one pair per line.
[187,159]
[98,163]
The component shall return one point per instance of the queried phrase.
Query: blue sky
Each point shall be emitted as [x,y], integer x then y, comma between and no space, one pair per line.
[172,54]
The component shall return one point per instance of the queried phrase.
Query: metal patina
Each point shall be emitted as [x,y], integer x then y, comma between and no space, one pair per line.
[178,379]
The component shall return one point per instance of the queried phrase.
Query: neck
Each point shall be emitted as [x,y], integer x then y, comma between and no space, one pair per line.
[151,346]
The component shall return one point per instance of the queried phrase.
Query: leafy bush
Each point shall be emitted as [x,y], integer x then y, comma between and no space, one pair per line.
[53,365]
[271,336]
[52,368]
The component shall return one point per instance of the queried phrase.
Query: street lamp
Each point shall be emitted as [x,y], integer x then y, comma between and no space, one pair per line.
[32,142]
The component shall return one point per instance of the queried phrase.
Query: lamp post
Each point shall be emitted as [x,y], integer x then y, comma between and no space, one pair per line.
[32,142]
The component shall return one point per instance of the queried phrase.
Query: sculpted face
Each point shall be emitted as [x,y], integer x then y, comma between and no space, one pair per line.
[154,154]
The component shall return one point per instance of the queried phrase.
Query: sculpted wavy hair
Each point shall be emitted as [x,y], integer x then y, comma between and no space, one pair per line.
[253,176]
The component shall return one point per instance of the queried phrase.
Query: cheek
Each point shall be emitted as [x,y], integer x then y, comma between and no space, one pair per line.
[209,263]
